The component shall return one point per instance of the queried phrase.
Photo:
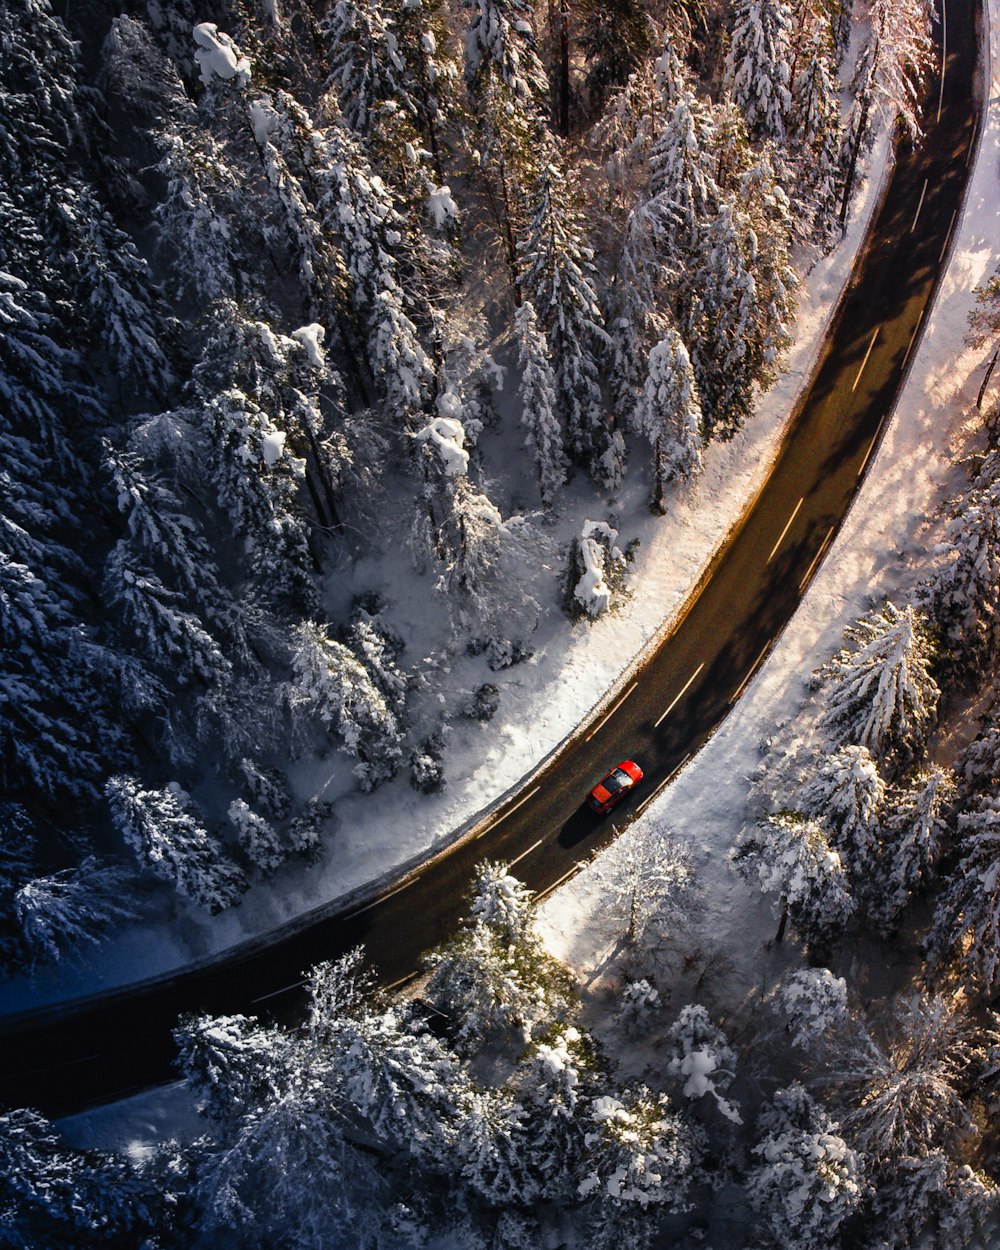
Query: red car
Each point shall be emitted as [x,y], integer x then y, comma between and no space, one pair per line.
[611,789]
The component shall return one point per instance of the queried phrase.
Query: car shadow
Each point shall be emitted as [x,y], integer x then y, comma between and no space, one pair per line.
[580,825]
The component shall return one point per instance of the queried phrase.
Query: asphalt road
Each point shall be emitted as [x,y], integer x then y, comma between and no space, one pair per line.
[88,1052]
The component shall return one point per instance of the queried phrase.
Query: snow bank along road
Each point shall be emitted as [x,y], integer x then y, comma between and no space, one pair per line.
[64,1058]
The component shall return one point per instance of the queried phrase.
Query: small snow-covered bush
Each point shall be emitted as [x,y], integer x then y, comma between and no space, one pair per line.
[597,568]
[427,766]
[639,1006]
[483,703]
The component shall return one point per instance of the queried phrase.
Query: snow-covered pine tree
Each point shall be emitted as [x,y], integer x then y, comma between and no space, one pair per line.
[636,300]
[558,277]
[967,916]
[493,1149]
[60,912]
[791,857]
[702,1058]
[500,44]
[902,1084]
[494,978]
[669,415]
[685,195]
[233,1064]
[256,483]
[61,700]
[166,837]
[894,57]
[397,1083]
[126,325]
[366,64]
[172,638]
[931,1196]
[331,682]
[880,691]
[847,795]
[616,37]
[197,236]
[261,843]
[815,137]
[812,1004]
[962,594]
[722,322]
[809,1180]
[641,1160]
[554,1084]
[758,65]
[537,394]
[769,223]
[52,1195]
[356,208]
[639,1007]
[649,875]
[914,828]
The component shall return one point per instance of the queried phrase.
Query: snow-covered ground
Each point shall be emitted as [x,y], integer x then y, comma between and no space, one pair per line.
[877,552]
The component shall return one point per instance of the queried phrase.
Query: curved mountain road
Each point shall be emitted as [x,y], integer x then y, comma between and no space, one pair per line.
[63,1058]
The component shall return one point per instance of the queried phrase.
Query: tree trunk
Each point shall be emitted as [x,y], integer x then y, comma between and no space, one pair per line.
[780,935]
[563,69]
[986,380]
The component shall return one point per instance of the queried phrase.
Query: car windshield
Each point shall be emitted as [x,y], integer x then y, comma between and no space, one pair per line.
[616,780]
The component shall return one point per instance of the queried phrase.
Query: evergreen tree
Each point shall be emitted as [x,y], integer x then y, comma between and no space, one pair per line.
[791,857]
[53,1196]
[808,1181]
[881,693]
[258,839]
[902,1085]
[962,596]
[616,36]
[500,43]
[641,1158]
[847,794]
[721,324]
[558,278]
[366,65]
[331,682]
[165,837]
[914,830]
[232,1064]
[815,136]
[967,916]
[894,57]
[685,194]
[758,65]
[812,1002]
[669,415]
[931,1200]
[702,1058]
[61,911]
[537,393]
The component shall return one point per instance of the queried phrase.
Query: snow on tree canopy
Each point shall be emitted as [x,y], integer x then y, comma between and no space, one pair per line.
[447,437]
[592,590]
[311,337]
[441,207]
[218,56]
